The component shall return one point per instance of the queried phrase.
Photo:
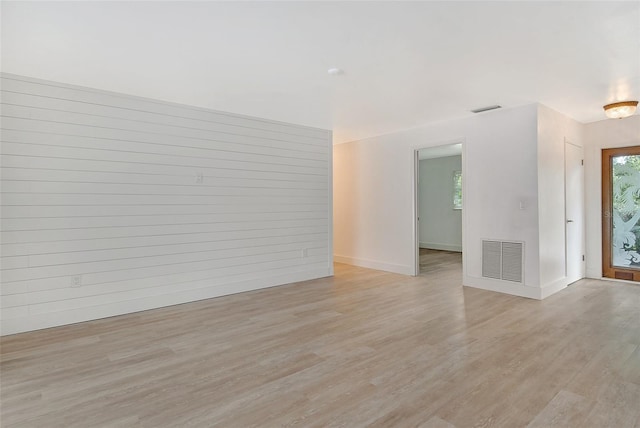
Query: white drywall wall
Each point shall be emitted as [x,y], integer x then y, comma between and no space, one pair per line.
[553,130]
[373,186]
[440,223]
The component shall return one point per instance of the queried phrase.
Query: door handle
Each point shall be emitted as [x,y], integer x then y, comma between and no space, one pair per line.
[569,221]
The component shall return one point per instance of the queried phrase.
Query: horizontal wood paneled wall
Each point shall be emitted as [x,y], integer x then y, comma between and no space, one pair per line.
[114,204]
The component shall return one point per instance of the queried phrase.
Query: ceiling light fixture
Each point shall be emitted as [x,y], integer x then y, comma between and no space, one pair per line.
[335,71]
[620,110]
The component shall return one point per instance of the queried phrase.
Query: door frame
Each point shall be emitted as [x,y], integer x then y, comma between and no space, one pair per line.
[416,206]
[608,270]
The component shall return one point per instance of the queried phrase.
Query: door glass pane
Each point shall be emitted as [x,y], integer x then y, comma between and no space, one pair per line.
[625,242]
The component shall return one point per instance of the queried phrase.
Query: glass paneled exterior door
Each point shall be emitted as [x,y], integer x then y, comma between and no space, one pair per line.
[621,213]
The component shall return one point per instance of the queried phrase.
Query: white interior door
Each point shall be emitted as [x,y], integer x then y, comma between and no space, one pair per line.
[574,212]
[416,213]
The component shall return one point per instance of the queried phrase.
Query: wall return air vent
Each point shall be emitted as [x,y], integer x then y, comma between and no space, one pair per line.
[503,260]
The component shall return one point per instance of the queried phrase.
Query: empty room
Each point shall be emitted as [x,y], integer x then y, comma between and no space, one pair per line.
[320,214]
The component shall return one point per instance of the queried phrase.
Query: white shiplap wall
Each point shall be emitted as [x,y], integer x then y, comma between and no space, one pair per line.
[114,204]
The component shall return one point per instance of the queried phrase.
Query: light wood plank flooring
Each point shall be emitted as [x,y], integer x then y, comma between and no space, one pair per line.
[434,260]
[365,348]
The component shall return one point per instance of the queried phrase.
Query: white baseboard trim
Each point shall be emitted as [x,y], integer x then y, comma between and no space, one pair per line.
[594,273]
[437,246]
[554,287]
[624,281]
[54,319]
[503,287]
[372,264]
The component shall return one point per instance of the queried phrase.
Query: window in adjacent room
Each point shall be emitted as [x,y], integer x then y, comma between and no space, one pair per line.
[457,190]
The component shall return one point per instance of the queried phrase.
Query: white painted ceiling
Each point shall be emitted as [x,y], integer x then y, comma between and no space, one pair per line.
[405,63]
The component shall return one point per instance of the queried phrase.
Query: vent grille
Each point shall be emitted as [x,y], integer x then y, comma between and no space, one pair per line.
[487,108]
[502,260]
[491,259]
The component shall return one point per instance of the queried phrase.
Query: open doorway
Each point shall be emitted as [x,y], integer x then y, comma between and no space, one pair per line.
[439,203]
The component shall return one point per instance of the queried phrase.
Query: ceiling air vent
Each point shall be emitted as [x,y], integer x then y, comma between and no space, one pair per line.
[487,108]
